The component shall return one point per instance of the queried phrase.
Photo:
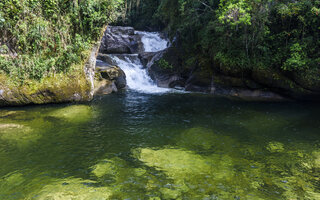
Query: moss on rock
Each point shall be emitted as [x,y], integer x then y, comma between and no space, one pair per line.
[70,189]
[316,155]
[57,88]
[275,147]
[204,139]
[175,162]
[104,167]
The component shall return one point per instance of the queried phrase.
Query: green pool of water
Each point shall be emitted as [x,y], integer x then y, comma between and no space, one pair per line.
[169,146]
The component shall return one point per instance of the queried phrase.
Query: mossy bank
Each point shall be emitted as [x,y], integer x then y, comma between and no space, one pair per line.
[48,49]
[56,88]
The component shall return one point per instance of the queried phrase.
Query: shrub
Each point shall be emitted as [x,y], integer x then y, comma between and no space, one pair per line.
[49,36]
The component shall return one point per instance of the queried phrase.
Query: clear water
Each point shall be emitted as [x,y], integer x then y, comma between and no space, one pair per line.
[170,146]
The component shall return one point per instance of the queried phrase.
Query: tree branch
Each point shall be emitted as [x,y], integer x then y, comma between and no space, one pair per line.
[206,5]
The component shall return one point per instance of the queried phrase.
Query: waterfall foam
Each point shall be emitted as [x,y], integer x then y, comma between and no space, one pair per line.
[137,77]
[152,41]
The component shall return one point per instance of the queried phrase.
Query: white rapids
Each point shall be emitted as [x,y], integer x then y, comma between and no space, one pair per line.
[137,77]
[152,41]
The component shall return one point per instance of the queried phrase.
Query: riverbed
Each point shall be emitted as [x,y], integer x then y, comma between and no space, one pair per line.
[133,145]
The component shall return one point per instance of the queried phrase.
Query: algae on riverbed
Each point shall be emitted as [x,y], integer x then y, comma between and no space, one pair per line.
[71,189]
[218,166]
[22,129]
[17,133]
[44,188]
[132,149]
[74,113]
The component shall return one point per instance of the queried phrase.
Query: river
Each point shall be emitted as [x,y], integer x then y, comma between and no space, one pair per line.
[133,145]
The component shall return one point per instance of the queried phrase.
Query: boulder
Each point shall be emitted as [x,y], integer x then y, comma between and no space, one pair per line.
[164,67]
[76,114]
[114,73]
[75,86]
[283,84]
[199,81]
[60,88]
[119,40]
[107,59]
[109,79]
[146,57]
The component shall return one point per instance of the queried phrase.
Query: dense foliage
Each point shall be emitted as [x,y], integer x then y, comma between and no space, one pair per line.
[38,37]
[239,34]
[44,36]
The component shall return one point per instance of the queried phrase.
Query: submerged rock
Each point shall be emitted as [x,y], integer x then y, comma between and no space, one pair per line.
[170,193]
[71,189]
[316,155]
[219,165]
[17,133]
[8,127]
[43,187]
[10,181]
[104,167]
[205,140]
[175,162]
[125,179]
[73,114]
[7,113]
[193,176]
[275,147]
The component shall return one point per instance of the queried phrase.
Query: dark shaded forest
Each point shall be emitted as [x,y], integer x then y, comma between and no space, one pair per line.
[238,34]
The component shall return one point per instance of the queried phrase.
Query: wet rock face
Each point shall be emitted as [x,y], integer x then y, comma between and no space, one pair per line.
[164,68]
[55,89]
[146,57]
[119,40]
[249,84]
[109,79]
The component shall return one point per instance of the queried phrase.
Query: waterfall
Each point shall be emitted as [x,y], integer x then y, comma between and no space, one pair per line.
[137,77]
[152,42]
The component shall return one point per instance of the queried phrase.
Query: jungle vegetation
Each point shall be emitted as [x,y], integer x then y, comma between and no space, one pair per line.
[39,37]
[237,34]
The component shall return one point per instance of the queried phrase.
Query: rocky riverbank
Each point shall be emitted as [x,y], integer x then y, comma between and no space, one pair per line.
[78,85]
[165,67]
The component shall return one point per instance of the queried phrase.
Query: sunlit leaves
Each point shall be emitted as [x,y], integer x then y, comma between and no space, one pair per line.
[297,58]
[235,12]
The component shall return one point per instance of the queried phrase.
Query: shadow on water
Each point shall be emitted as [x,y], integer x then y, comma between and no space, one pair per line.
[160,146]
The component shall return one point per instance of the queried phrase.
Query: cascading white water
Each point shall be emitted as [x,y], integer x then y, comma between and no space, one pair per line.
[137,77]
[152,42]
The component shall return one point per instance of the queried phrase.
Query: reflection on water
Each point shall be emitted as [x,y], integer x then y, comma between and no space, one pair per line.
[169,146]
